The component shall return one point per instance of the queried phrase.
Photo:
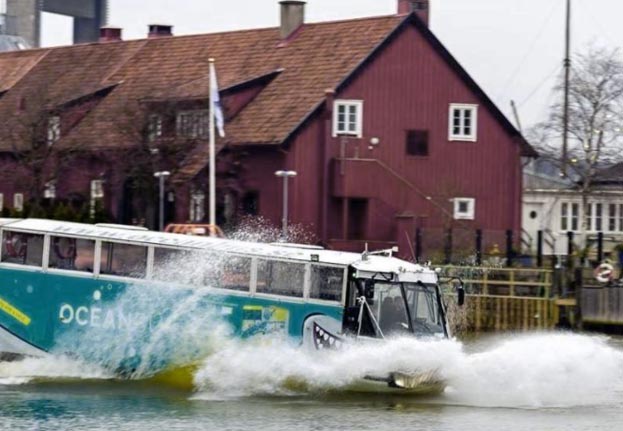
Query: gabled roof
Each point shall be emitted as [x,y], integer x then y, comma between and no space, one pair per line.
[318,57]
[611,175]
[15,64]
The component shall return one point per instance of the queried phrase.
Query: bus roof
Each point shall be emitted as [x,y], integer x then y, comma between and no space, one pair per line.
[274,250]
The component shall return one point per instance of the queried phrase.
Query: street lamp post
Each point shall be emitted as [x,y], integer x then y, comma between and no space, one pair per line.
[284,221]
[161,175]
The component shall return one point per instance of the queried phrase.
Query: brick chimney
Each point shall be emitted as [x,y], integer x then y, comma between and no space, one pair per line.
[420,7]
[110,34]
[160,30]
[292,16]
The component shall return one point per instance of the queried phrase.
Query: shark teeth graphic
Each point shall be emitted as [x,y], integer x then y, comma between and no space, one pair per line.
[323,339]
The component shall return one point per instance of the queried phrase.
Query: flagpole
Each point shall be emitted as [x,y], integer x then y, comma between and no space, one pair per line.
[212,164]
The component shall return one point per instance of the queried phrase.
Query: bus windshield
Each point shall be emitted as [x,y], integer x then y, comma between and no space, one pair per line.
[423,304]
[407,307]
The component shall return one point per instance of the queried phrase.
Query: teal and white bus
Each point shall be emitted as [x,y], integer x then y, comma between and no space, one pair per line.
[60,279]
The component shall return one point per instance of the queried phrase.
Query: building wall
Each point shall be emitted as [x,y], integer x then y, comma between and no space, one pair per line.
[547,206]
[409,86]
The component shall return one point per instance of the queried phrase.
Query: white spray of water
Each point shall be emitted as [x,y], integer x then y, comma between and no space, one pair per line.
[542,370]
[264,367]
[49,367]
[164,326]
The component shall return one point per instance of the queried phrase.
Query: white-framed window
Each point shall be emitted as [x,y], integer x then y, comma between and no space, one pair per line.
[463,122]
[348,118]
[154,127]
[594,217]
[97,189]
[598,210]
[197,206]
[612,217]
[97,193]
[464,208]
[54,129]
[569,216]
[50,190]
[615,217]
[193,124]
[18,202]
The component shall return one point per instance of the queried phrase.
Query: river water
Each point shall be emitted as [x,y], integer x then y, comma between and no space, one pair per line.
[512,382]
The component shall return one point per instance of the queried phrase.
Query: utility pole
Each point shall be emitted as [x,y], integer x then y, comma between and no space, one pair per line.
[565,114]
[161,175]
[516,115]
[284,220]
[212,159]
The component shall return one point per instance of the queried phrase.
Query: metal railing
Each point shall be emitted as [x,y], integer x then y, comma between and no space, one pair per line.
[504,299]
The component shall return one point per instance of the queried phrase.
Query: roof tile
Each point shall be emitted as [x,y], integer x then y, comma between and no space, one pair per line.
[317,58]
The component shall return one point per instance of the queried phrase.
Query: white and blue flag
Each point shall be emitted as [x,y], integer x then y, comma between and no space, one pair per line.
[216,102]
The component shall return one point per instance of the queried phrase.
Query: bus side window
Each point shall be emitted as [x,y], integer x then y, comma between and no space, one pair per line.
[169,263]
[178,266]
[280,278]
[126,260]
[22,248]
[75,254]
[227,271]
[236,273]
[326,283]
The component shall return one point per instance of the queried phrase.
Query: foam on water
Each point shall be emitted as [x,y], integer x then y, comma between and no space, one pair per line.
[49,368]
[539,370]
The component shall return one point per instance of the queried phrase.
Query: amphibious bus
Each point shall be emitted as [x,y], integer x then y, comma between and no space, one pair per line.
[61,280]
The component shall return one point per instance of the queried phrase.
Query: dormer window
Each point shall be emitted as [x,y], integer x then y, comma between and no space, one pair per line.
[193,124]
[348,117]
[463,122]
[54,129]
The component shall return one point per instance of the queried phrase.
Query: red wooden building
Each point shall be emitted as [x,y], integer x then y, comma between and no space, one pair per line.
[384,127]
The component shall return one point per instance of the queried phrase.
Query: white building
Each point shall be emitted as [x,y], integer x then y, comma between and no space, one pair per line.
[554,206]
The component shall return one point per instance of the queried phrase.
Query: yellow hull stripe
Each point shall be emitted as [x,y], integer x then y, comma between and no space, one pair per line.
[14,312]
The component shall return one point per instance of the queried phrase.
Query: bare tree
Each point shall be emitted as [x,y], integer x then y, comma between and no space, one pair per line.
[149,128]
[31,134]
[595,120]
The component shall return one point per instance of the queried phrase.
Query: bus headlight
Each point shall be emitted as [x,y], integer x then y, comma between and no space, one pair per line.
[411,381]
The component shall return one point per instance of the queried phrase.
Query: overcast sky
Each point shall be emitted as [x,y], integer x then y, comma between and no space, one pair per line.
[512,48]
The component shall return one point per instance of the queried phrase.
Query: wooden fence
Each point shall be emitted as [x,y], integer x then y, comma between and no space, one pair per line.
[602,305]
[503,299]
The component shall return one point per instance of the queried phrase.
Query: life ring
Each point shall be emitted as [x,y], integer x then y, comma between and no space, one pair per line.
[604,273]
[64,251]
[15,245]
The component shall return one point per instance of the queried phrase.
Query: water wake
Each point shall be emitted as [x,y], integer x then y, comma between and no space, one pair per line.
[540,370]
[526,371]
[543,370]
[49,368]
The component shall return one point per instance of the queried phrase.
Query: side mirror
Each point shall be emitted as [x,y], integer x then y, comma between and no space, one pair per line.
[369,290]
[461,295]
